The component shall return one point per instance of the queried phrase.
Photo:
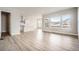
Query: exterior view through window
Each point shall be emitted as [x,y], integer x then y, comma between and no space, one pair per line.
[64,22]
[55,21]
[66,19]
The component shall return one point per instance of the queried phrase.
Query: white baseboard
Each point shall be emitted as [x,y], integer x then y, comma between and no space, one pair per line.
[62,33]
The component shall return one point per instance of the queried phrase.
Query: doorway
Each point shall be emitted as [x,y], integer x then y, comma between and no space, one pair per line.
[5,23]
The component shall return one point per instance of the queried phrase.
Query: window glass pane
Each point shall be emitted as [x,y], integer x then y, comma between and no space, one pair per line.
[55,21]
[66,21]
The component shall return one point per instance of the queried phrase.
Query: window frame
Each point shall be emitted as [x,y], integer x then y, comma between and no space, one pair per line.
[61,21]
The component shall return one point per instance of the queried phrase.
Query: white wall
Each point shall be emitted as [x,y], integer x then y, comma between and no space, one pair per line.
[30,24]
[0,24]
[72,11]
[15,21]
[78,23]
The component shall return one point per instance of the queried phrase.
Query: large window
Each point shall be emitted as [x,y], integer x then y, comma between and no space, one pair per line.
[63,21]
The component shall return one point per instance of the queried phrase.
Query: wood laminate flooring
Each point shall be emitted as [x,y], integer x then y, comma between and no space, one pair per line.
[39,41]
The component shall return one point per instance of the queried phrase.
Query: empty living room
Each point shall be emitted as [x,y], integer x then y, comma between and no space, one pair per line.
[39,28]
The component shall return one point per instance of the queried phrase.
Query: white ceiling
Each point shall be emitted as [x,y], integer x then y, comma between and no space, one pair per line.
[35,11]
[39,10]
